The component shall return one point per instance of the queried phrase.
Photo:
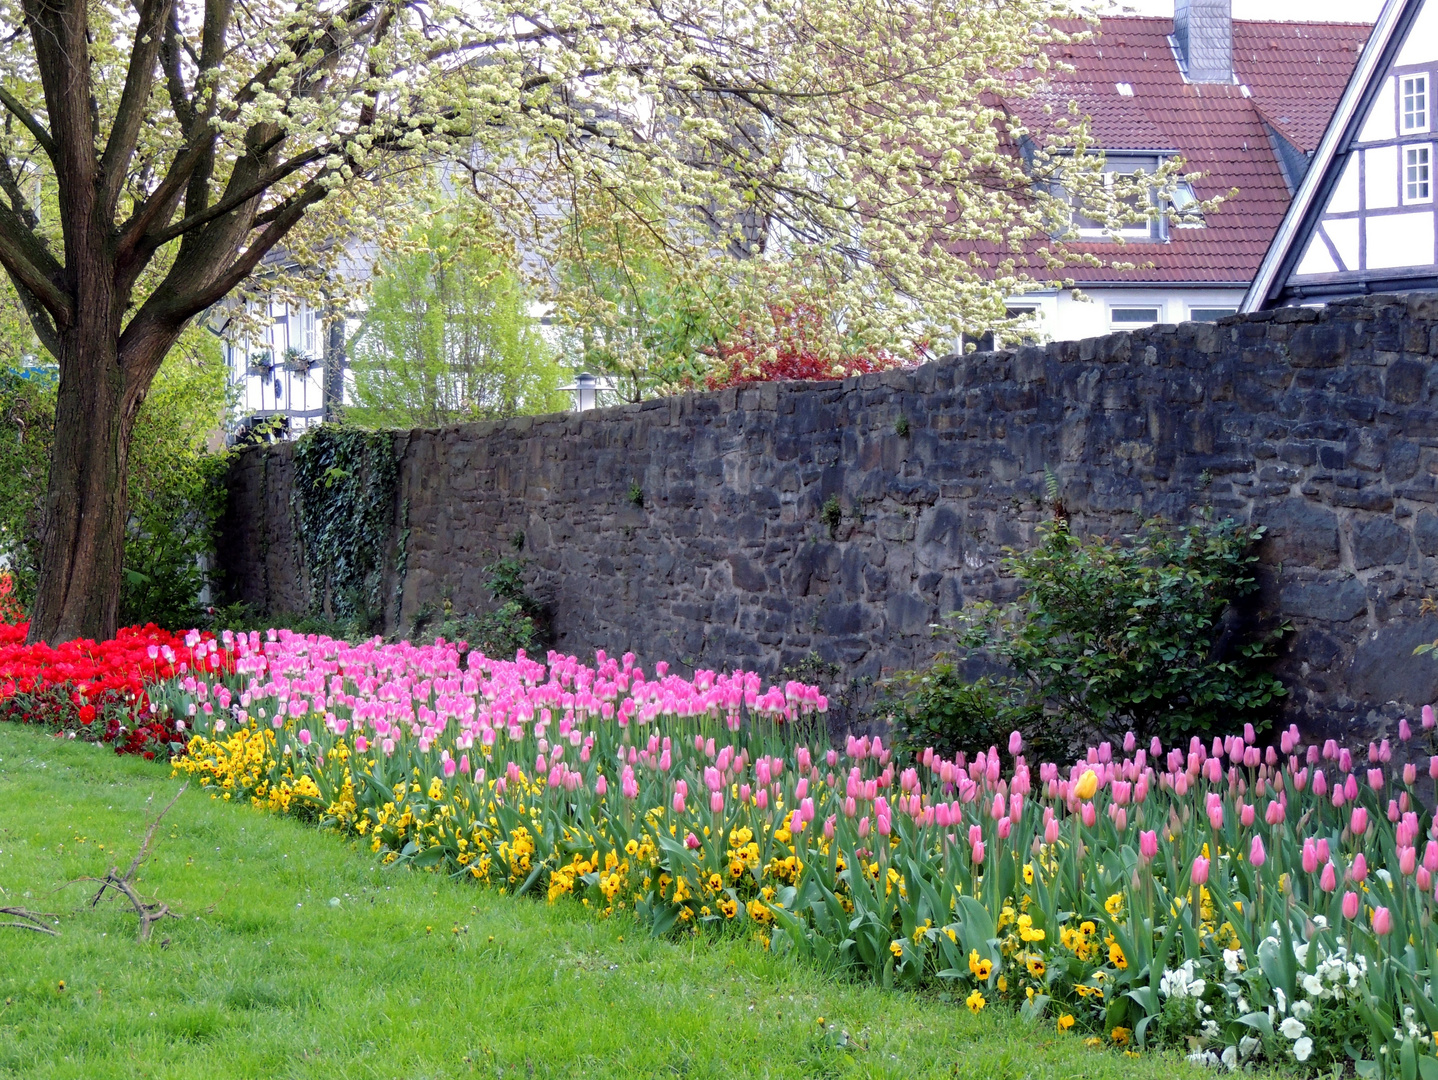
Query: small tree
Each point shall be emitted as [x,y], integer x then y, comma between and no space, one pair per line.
[448,337]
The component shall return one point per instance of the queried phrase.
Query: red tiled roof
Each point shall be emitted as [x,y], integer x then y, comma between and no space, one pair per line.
[1294,74]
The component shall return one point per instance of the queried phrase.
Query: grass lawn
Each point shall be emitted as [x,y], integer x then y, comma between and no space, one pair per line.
[298,956]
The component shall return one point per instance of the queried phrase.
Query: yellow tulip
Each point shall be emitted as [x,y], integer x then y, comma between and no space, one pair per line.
[1087,785]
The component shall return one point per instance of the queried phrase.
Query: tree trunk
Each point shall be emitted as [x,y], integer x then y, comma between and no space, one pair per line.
[83,542]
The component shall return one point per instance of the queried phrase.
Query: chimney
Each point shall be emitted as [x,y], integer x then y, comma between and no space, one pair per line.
[1203,31]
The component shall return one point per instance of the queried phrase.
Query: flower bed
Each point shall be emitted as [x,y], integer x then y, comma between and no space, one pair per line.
[99,690]
[1241,903]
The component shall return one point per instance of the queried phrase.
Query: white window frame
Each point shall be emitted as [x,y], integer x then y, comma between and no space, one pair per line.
[1115,326]
[1422,104]
[1424,178]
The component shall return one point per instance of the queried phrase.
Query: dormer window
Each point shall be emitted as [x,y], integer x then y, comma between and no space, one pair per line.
[1145,220]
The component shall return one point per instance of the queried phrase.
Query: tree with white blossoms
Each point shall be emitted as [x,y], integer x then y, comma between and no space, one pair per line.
[155,152]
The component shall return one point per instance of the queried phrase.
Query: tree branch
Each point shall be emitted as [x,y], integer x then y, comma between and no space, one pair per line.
[26,117]
[130,114]
[27,261]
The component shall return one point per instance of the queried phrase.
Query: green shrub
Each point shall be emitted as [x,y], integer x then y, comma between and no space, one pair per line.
[516,623]
[941,707]
[1108,635]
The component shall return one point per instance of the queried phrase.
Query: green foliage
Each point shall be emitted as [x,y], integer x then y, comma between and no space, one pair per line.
[831,513]
[1142,634]
[636,494]
[174,497]
[343,499]
[517,622]
[448,337]
[27,415]
[177,466]
[942,708]
[628,312]
[901,427]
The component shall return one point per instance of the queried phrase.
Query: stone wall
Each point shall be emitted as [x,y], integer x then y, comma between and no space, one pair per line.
[1322,425]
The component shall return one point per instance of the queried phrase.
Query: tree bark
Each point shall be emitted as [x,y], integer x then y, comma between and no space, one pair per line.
[83,542]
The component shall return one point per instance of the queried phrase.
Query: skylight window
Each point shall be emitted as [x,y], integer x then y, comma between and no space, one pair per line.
[1124,89]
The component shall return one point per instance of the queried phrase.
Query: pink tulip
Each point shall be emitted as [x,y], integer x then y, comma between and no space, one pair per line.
[1256,855]
[361,744]
[1425,879]
[1430,856]
[304,736]
[449,767]
[1382,921]
[1090,816]
[716,802]
[1410,773]
[691,842]
[679,802]
[1405,730]
[1328,882]
[1323,854]
[1005,826]
[1016,743]
[1148,845]
[1358,821]
[1310,856]
[1199,874]
[977,852]
[1350,905]
[1359,870]
[1407,860]
[1428,718]
[1051,832]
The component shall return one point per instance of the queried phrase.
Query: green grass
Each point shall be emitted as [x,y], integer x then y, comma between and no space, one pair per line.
[298,956]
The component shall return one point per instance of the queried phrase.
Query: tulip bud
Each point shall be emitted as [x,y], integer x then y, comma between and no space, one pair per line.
[1382,921]
[1256,855]
[1089,815]
[977,852]
[1428,718]
[1359,870]
[1310,856]
[1328,882]
[1350,905]
[1358,821]
[1199,874]
[1407,860]
[1148,845]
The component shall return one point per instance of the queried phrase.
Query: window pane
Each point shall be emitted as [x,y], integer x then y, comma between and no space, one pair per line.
[1209,314]
[1415,103]
[1140,316]
[1416,173]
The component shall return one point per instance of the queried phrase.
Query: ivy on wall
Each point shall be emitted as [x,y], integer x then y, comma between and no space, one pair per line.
[343,502]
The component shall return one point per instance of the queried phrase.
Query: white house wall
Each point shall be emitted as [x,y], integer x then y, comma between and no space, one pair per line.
[1063,317]
[1381,215]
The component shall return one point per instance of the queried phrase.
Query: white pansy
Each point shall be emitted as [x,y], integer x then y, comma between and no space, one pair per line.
[1230,1057]
[1312,985]
[1303,1048]
[1247,1045]
[1292,1028]
[1303,1009]
[1231,959]
[1281,998]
